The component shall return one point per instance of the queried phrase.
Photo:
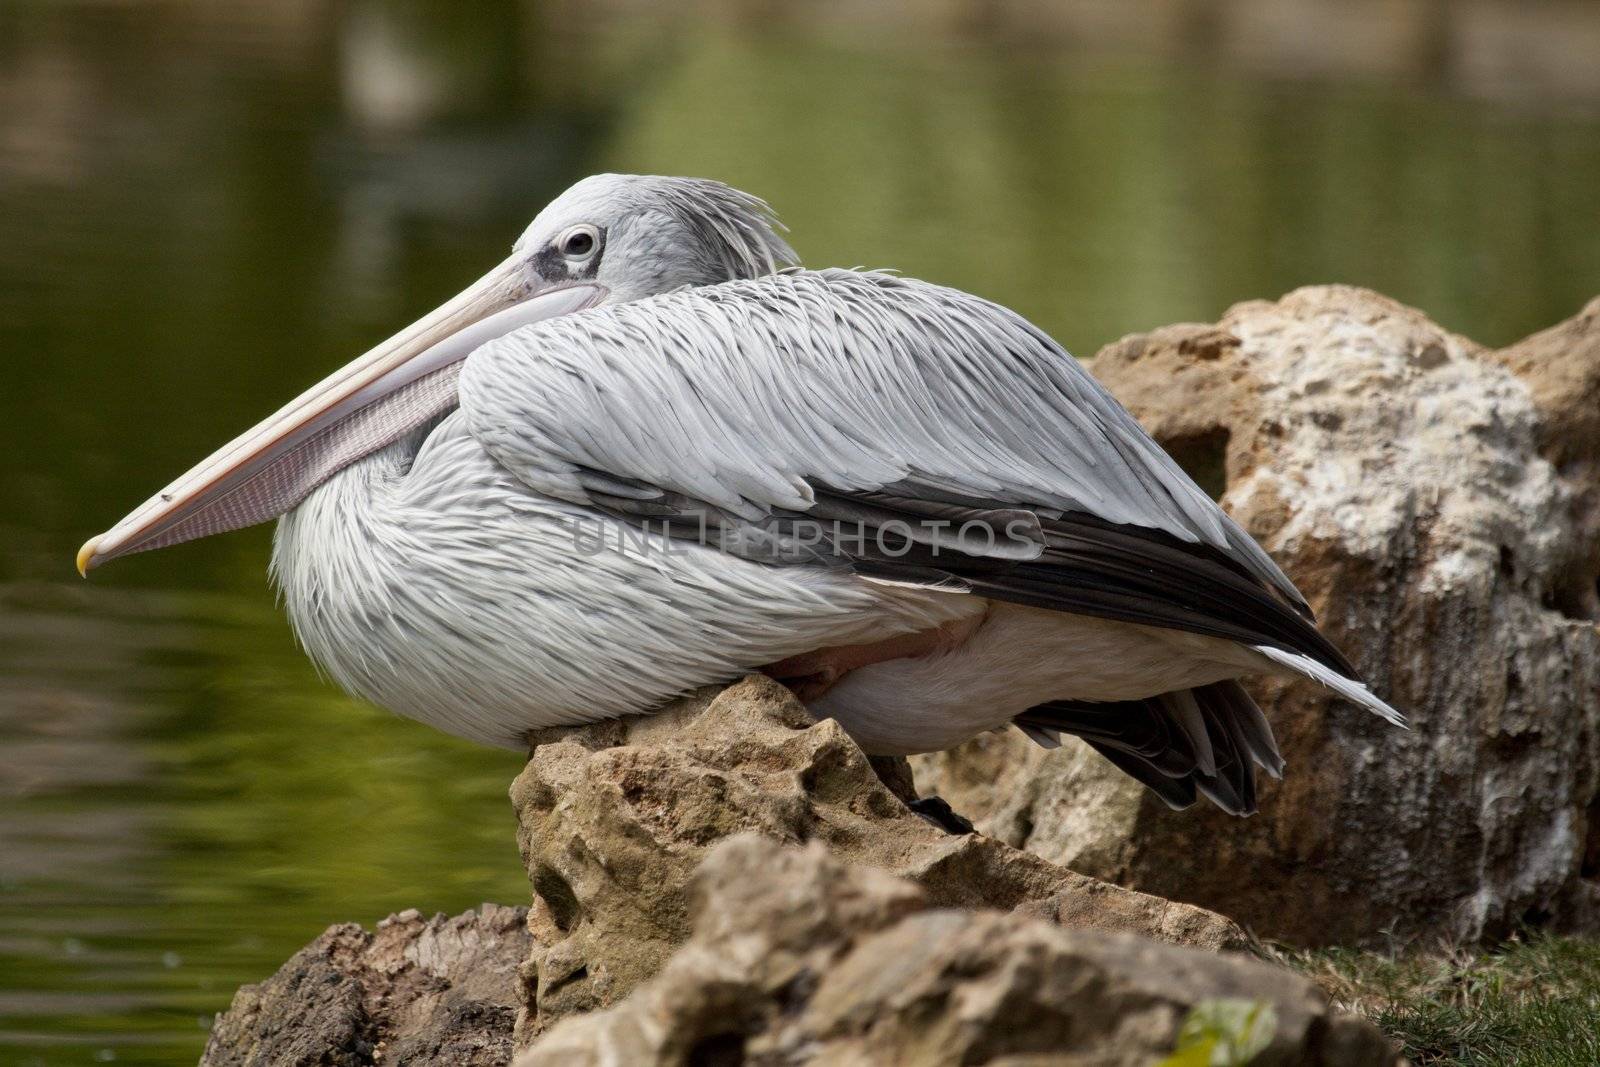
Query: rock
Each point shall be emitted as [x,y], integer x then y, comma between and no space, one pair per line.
[796,958]
[1561,367]
[614,818]
[1439,505]
[414,991]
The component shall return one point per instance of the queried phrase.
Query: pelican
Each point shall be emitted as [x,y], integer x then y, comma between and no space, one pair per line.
[648,452]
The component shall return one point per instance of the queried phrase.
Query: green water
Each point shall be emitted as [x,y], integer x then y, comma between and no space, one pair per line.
[203,210]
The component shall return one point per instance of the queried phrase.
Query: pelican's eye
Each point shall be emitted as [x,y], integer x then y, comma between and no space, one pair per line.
[579,242]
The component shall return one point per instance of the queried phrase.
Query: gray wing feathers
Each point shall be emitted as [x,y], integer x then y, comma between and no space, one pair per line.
[747,395]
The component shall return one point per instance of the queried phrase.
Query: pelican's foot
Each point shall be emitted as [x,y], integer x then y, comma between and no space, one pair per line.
[938,811]
[811,674]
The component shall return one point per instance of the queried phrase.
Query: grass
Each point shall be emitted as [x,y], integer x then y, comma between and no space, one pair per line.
[1533,1001]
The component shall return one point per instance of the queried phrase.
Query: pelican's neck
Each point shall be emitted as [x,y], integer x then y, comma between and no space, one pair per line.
[330,535]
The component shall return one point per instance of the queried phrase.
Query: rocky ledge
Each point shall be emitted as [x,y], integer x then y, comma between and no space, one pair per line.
[797,958]
[615,819]
[730,882]
[414,991]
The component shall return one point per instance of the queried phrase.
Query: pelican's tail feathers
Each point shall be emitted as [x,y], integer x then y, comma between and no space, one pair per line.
[1185,744]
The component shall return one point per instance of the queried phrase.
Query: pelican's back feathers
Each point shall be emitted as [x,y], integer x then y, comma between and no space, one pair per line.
[751,395]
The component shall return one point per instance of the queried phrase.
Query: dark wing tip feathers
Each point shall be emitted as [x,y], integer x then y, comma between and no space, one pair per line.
[1087,566]
[1135,574]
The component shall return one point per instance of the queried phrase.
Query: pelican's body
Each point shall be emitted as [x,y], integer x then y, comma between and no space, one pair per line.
[639,457]
[374,572]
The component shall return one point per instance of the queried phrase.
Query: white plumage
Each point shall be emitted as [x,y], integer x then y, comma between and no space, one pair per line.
[722,463]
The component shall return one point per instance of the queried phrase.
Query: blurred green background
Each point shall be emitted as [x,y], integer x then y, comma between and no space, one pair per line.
[206,206]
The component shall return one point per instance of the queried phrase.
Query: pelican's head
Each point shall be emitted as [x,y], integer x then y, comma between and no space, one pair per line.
[609,238]
[639,235]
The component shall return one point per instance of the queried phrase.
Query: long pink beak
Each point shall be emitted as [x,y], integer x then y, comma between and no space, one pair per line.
[364,406]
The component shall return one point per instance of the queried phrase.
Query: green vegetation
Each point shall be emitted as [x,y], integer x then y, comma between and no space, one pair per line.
[1533,1001]
[1223,1033]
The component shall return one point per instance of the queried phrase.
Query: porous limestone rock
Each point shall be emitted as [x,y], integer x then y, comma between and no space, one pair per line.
[1439,505]
[615,817]
[1561,367]
[796,958]
[436,992]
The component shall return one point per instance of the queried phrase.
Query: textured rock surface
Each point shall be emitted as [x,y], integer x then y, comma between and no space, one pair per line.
[798,959]
[416,991]
[1440,507]
[615,818]
[1561,367]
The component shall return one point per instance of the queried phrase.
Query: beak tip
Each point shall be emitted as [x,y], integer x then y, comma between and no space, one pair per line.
[86,556]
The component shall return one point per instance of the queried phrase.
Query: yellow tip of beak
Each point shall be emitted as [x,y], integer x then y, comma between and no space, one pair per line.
[86,555]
